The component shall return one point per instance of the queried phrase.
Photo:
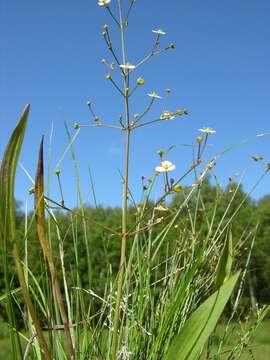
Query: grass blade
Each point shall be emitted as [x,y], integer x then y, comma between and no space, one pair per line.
[44,241]
[192,338]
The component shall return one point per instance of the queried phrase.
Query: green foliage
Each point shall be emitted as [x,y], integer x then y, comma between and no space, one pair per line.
[8,233]
[190,342]
[8,221]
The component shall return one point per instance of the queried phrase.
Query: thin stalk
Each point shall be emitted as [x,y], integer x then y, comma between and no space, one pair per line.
[101,125]
[112,15]
[146,111]
[117,87]
[125,199]
[123,249]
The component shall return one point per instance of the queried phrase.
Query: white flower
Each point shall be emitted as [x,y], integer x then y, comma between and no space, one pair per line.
[165,166]
[154,95]
[207,130]
[103,2]
[167,115]
[159,32]
[127,66]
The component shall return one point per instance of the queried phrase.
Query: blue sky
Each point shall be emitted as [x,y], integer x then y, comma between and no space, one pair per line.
[219,70]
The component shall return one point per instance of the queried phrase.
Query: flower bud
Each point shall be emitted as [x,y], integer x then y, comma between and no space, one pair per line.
[199,139]
[181,112]
[76,126]
[108,76]
[160,152]
[140,81]
[57,172]
[177,188]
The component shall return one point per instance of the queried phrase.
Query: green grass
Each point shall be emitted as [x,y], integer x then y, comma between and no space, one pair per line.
[260,344]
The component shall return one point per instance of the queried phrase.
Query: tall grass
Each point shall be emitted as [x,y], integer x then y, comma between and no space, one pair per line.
[168,294]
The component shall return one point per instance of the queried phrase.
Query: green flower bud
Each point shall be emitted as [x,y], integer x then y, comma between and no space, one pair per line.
[177,188]
[76,126]
[140,81]
[160,152]
[181,112]
[199,139]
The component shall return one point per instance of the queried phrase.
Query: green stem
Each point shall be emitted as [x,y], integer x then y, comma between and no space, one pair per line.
[123,251]
[125,199]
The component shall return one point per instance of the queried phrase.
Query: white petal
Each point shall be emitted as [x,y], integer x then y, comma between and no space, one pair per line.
[160,169]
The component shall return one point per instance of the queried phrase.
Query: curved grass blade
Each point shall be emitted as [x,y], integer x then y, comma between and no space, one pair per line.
[8,224]
[190,342]
[44,241]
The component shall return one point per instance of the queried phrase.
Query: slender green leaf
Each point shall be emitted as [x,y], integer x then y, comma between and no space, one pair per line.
[192,338]
[8,229]
[7,179]
[8,216]
[225,261]
[44,241]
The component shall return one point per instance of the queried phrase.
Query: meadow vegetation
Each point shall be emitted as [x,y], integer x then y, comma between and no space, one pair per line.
[180,278]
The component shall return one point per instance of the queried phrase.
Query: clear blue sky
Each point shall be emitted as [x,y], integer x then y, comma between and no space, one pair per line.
[220,70]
